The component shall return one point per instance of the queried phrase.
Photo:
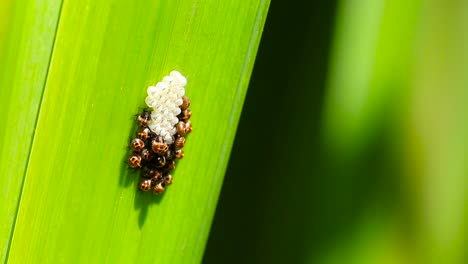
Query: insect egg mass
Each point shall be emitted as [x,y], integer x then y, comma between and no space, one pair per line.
[163,126]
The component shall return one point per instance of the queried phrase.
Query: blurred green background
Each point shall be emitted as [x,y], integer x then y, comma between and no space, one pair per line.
[352,145]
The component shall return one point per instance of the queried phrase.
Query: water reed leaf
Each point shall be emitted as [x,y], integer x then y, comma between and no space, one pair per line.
[79,202]
[27,31]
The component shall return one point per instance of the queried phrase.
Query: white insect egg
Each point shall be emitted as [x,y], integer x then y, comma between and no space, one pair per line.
[159,118]
[161,85]
[152,127]
[180,79]
[170,106]
[172,96]
[168,79]
[165,98]
[150,102]
[152,91]
[181,91]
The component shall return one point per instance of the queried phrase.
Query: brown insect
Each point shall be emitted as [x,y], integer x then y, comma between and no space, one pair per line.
[145,185]
[143,118]
[144,133]
[181,128]
[151,173]
[179,142]
[170,165]
[185,115]
[188,127]
[159,146]
[185,103]
[168,179]
[158,188]
[145,154]
[178,154]
[159,161]
[134,161]
[137,144]
[169,154]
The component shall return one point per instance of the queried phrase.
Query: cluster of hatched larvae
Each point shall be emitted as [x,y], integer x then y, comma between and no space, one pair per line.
[153,156]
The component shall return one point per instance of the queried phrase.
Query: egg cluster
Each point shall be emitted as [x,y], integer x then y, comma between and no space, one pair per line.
[161,134]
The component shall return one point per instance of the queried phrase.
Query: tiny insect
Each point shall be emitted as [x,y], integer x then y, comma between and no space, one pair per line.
[185,115]
[145,154]
[134,161]
[145,133]
[145,185]
[158,188]
[159,146]
[170,165]
[178,154]
[137,144]
[179,142]
[168,179]
[151,173]
[188,127]
[181,128]
[159,161]
[185,103]
[169,154]
[143,118]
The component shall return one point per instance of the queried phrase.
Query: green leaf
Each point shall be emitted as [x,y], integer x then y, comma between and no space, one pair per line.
[370,68]
[434,134]
[27,30]
[80,201]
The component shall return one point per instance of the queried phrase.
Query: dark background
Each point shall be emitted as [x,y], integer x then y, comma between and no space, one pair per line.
[353,142]
[270,201]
